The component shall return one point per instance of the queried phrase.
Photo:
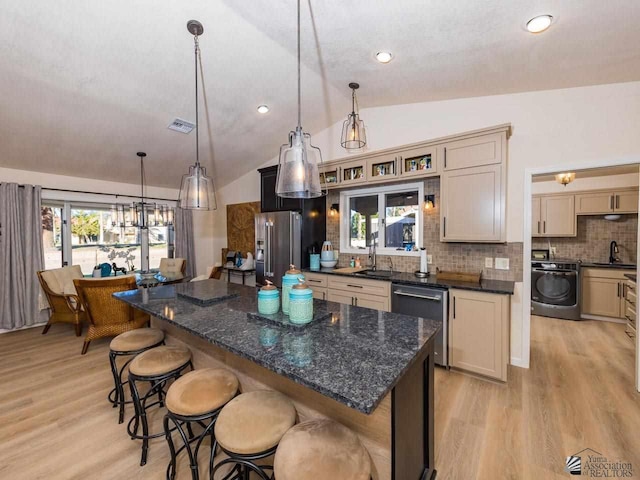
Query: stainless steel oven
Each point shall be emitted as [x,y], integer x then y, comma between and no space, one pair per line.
[555,289]
[428,303]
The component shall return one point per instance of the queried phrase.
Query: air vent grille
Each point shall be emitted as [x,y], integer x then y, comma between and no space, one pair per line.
[181,126]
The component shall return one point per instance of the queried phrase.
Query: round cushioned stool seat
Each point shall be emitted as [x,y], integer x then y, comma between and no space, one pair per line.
[254,422]
[159,360]
[201,391]
[137,339]
[321,448]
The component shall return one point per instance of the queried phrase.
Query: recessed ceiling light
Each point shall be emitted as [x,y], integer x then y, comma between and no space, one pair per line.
[263,109]
[539,24]
[384,57]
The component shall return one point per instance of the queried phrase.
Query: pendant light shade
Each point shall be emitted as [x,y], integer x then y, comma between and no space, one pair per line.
[353,131]
[299,161]
[298,174]
[196,189]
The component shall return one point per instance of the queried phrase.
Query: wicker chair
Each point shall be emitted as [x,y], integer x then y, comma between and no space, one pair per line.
[173,266]
[107,315]
[57,285]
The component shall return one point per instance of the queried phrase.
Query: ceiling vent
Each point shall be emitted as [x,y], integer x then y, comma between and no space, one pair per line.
[181,126]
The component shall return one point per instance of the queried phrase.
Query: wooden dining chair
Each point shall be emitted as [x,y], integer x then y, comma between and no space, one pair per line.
[108,316]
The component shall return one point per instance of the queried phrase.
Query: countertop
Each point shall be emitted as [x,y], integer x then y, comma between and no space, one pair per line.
[631,276]
[618,266]
[355,357]
[405,278]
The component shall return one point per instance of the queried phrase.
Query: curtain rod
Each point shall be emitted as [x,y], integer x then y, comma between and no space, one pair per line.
[101,193]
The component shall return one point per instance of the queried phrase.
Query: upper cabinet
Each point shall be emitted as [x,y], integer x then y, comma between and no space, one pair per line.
[382,167]
[418,162]
[604,202]
[473,189]
[553,216]
[474,152]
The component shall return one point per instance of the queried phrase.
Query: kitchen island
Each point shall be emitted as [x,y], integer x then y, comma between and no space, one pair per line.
[369,370]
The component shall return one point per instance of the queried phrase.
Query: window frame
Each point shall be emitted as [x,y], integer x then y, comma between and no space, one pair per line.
[381,192]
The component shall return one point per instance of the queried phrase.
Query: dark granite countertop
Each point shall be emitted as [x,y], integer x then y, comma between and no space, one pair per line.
[631,276]
[355,357]
[618,266]
[405,278]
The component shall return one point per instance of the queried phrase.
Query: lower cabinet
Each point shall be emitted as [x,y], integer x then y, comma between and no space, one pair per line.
[479,333]
[317,282]
[604,291]
[374,294]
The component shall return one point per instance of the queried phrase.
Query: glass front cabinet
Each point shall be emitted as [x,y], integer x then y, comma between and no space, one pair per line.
[353,172]
[382,167]
[330,175]
[418,162]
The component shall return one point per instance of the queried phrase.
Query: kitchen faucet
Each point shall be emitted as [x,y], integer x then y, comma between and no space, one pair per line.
[372,252]
[613,252]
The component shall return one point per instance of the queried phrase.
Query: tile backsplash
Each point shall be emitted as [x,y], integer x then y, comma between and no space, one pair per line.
[459,257]
[594,236]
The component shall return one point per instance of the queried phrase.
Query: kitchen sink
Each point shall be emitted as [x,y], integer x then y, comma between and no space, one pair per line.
[375,273]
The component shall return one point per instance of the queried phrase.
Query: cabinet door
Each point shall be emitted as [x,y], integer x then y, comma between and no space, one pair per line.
[373,302]
[536,225]
[268,198]
[594,203]
[339,297]
[558,217]
[330,176]
[472,205]
[418,162]
[626,202]
[601,296]
[319,293]
[474,152]
[478,333]
[382,167]
[353,173]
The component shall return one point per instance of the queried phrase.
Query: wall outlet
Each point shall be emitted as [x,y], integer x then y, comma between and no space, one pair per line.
[502,264]
[552,250]
[429,259]
[488,262]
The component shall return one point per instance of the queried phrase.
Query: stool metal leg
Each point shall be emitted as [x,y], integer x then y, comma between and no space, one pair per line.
[245,464]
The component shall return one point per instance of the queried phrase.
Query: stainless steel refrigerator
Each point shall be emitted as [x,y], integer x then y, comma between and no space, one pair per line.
[278,240]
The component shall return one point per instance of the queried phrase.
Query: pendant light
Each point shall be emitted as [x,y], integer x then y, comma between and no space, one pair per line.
[299,161]
[353,132]
[196,188]
[565,178]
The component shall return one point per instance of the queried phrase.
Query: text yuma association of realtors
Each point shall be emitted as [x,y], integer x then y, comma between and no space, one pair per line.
[600,467]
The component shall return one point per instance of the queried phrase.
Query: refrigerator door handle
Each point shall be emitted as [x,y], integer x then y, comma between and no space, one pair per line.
[268,267]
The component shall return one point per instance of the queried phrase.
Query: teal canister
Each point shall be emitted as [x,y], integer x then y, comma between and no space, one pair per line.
[290,278]
[268,299]
[300,304]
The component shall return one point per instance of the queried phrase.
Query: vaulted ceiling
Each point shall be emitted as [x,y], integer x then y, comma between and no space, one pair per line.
[84,85]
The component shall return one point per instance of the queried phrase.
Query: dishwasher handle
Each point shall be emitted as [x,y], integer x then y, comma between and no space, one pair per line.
[424,297]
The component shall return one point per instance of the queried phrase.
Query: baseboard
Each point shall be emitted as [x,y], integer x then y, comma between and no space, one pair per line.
[518,362]
[585,316]
[22,328]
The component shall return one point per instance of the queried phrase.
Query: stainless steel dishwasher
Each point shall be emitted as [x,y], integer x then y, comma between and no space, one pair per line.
[425,302]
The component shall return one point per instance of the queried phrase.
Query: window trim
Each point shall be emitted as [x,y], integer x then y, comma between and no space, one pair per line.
[345,217]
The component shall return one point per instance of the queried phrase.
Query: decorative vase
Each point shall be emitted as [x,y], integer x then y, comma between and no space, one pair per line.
[300,304]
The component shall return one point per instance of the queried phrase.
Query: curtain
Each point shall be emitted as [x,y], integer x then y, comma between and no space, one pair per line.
[21,255]
[183,226]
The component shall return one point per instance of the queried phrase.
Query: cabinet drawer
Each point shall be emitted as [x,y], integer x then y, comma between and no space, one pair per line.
[315,279]
[605,273]
[630,312]
[360,286]
[631,293]
[374,302]
[320,293]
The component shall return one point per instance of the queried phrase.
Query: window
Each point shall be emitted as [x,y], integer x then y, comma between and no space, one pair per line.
[91,238]
[390,217]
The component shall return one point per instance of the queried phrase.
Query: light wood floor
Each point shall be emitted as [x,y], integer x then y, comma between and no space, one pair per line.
[55,422]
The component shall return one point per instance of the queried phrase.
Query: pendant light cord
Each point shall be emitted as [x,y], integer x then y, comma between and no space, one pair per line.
[195,40]
[299,89]
[353,101]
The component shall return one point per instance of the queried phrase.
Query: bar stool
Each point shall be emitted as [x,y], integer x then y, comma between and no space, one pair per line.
[197,396]
[249,428]
[129,343]
[321,448]
[156,366]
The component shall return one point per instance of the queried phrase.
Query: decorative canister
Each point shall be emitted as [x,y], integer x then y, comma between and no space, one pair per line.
[268,299]
[290,279]
[300,303]
[314,261]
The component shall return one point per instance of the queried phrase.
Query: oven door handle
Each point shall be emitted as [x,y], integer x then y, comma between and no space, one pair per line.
[424,297]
